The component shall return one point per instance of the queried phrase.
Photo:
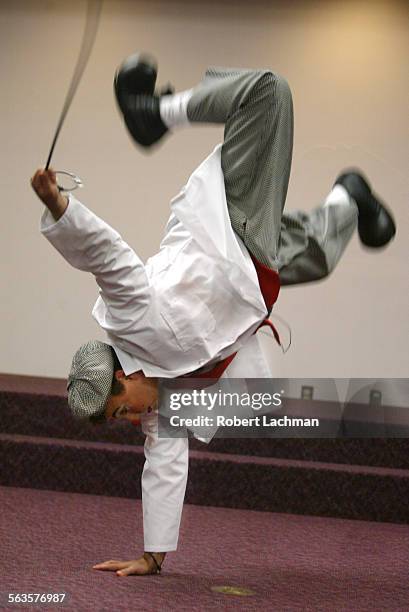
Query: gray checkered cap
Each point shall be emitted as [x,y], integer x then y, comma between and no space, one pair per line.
[90,379]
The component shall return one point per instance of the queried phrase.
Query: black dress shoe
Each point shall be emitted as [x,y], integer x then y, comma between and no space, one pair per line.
[376,226]
[136,75]
[134,86]
[143,120]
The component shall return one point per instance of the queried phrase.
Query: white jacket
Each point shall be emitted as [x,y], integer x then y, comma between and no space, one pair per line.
[198,300]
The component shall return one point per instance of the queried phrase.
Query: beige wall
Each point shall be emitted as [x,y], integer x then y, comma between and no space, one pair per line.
[348,65]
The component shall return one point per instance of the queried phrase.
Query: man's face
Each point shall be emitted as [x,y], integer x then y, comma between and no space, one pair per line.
[139,396]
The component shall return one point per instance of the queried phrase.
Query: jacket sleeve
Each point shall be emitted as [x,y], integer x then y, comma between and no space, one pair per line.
[163,487]
[91,245]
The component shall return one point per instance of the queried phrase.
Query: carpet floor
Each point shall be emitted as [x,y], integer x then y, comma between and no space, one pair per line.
[50,540]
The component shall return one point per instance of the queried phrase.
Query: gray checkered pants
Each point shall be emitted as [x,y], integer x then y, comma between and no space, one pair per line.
[256,108]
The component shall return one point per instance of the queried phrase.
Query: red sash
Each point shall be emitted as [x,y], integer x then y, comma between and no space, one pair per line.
[269,282]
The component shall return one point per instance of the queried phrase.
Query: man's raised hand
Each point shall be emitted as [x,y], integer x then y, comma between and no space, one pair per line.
[44,183]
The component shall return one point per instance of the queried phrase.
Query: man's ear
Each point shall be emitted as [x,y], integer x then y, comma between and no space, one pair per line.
[119,374]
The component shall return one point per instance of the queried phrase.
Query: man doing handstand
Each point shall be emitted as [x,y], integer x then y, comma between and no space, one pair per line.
[194,308]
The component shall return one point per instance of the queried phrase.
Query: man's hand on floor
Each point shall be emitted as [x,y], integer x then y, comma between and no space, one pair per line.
[140,567]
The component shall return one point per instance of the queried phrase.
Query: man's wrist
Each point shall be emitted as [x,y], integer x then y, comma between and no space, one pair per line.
[58,207]
[154,559]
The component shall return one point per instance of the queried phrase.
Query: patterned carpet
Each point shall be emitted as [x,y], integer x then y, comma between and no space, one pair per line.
[50,541]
